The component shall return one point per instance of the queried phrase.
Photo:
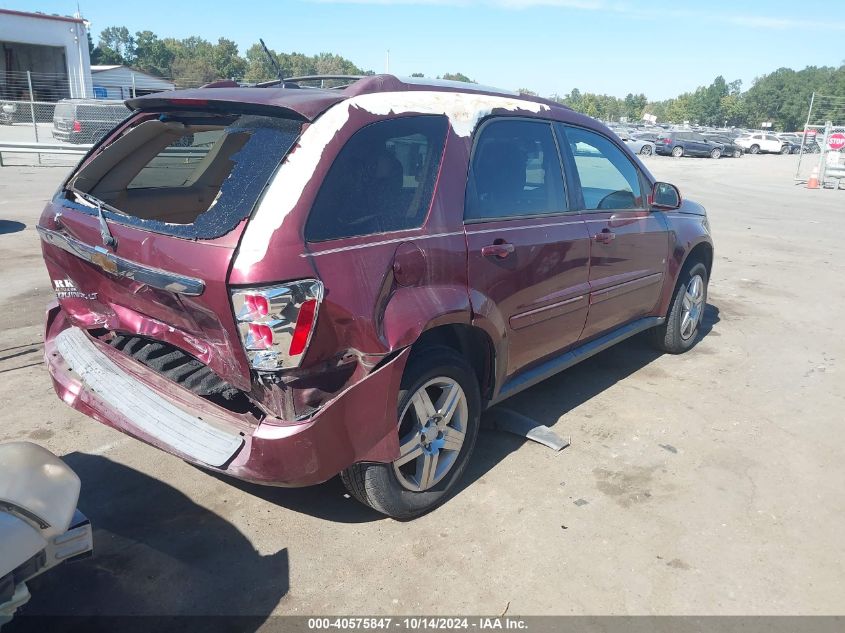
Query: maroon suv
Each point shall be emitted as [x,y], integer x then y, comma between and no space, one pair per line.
[284,283]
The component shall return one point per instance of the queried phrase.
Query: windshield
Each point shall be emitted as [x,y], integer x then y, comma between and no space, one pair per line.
[190,174]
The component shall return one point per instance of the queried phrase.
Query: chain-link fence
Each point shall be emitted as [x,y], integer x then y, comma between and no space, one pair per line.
[823,149]
[72,122]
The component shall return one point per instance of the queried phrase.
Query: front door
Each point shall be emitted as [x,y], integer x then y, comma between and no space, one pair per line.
[528,254]
[629,243]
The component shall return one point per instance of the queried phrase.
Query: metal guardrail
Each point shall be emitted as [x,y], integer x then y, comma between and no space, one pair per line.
[41,148]
[82,149]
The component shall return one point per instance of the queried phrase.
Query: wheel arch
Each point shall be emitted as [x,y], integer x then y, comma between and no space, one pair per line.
[680,262]
[701,252]
[471,342]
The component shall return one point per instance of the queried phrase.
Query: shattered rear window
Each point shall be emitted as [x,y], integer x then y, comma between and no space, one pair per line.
[188,174]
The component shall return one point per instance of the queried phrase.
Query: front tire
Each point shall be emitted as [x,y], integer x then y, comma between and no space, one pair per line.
[737,153]
[786,149]
[645,150]
[715,153]
[755,149]
[681,328]
[439,411]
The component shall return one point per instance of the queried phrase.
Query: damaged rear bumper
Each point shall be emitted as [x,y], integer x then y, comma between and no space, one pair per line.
[358,424]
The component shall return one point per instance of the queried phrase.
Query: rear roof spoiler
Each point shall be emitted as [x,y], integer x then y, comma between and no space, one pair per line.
[304,105]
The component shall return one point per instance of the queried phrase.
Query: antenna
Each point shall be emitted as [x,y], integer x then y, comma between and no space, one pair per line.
[274,62]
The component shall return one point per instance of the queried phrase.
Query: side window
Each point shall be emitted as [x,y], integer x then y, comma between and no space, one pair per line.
[381,180]
[515,171]
[769,137]
[608,179]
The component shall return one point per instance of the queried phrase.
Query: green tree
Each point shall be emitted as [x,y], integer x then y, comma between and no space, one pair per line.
[117,46]
[634,106]
[456,77]
[151,54]
[226,61]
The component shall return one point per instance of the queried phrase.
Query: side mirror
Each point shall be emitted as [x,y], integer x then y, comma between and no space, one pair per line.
[665,196]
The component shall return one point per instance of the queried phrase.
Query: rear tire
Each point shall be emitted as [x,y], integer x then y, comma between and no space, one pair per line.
[678,151]
[645,150]
[683,323]
[755,149]
[412,485]
[786,149]
[737,153]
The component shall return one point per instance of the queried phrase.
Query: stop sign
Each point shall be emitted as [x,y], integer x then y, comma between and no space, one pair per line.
[836,141]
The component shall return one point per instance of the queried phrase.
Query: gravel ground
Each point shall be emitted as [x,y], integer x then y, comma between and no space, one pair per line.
[708,483]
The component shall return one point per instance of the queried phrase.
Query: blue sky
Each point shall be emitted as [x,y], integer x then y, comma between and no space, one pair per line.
[658,47]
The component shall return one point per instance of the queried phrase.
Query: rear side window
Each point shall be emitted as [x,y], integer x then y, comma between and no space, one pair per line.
[189,174]
[381,180]
[608,178]
[515,172]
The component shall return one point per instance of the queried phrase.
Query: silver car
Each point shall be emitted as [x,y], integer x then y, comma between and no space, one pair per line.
[639,146]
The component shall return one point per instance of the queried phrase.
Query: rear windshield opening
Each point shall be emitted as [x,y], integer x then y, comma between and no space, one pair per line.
[191,174]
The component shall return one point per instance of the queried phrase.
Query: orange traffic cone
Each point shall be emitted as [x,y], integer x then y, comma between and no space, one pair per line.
[813,182]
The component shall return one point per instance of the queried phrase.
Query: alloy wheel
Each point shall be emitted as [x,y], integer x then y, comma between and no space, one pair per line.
[693,307]
[432,427]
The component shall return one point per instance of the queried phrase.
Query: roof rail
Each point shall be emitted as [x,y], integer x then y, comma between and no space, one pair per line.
[292,82]
[319,77]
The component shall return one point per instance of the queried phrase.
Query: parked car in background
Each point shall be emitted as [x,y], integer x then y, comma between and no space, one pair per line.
[760,143]
[679,144]
[646,136]
[638,146]
[86,120]
[794,141]
[7,111]
[729,148]
[341,281]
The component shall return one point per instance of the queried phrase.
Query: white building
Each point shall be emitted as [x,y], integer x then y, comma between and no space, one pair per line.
[122,82]
[53,48]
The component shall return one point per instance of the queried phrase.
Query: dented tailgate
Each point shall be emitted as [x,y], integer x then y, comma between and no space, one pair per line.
[140,238]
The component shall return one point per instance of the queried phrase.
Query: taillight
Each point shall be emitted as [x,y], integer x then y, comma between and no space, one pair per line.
[304,325]
[665,141]
[275,323]
[77,126]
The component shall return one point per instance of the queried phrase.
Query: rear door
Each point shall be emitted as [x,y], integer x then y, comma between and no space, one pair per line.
[702,145]
[528,254]
[773,143]
[629,243]
[140,238]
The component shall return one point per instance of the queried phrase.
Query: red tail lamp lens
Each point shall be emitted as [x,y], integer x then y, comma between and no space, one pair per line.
[304,323]
[262,335]
[257,304]
[77,126]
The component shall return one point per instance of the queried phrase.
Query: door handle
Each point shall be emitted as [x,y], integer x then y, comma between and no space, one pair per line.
[605,237]
[498,249]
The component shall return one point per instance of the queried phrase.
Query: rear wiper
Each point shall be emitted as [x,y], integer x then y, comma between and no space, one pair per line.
[108,239]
